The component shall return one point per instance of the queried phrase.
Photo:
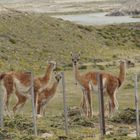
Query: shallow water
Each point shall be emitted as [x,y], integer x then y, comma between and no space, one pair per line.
[97,19]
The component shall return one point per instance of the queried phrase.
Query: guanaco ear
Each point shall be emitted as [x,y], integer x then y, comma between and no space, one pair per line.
[55,64]
[79,53]
[49,59]
[120,61]
[123,60]
[48,62]
[71,53]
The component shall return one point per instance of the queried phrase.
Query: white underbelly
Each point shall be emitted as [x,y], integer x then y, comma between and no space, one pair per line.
[42,88]
[95,87]
[22,89]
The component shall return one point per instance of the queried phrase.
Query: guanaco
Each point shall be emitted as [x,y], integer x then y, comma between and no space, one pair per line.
[46,94]
[20,83]
[111,84]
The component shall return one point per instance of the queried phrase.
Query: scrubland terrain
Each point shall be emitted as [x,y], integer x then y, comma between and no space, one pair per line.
[28,40]
[25,34]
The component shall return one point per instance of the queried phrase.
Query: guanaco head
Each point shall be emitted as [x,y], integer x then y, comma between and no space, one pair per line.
[58,76]
[75,58]
[129,63]
[52,65]
[123,63]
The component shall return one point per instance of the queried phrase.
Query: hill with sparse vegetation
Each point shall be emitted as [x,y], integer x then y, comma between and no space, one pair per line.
[28,40]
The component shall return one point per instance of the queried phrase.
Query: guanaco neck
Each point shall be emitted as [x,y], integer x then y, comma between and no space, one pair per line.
[47,74]
[52,90]
[76,73]
[122,73]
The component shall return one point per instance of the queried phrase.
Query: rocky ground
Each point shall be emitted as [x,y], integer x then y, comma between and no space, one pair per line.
[22,127]
[131,7]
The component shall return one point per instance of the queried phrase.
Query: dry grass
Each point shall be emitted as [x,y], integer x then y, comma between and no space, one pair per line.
[27,41]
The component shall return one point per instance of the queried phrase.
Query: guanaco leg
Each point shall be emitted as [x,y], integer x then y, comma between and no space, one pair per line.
[21,101]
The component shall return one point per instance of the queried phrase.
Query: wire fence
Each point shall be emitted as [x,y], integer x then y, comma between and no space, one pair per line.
[68,129]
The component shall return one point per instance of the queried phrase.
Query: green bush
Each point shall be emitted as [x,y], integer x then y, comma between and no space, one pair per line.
[101,67]
[129,86]
[12,41]
[58,69]
[83,67]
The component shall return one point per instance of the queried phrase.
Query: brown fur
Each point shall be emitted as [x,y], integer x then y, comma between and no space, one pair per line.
[25,80]
[83,80]
[23,77]
[8,84]
[42,81]
[2,76]
[112,83]
[46,94]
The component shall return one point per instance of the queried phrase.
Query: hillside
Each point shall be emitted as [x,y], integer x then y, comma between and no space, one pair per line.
[28,40]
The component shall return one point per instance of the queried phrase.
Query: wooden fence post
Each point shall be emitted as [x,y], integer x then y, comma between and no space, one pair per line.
[136,104]
[101,105]
[1,107]
[64,102]
[33,104]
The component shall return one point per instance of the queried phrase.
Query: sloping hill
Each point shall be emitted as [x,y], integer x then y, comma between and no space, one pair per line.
[28,40]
